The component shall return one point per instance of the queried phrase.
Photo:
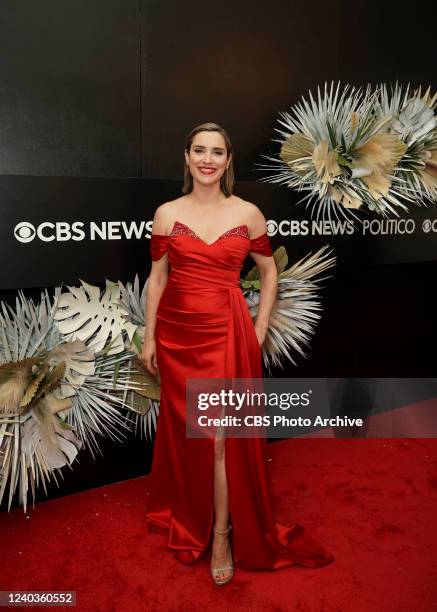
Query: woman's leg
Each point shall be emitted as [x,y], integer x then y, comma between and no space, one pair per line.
[221,502]
[221,549]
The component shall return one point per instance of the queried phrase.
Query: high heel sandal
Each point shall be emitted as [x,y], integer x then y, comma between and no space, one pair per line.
[215,570]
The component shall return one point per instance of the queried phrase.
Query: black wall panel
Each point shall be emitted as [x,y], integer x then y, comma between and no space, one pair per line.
[234,63]
[70,88]
[381,41]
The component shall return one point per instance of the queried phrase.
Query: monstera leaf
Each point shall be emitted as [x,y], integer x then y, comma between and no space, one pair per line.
[97,320]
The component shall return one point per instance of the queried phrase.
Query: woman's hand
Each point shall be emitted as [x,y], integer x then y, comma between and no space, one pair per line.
[261,332]
[148,356]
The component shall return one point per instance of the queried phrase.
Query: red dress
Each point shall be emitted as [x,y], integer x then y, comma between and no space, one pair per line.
[204,329]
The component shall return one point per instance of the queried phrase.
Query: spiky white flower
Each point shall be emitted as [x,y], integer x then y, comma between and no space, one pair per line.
[345,148]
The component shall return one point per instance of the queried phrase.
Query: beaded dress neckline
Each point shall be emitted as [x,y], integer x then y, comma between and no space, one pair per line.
[180,229]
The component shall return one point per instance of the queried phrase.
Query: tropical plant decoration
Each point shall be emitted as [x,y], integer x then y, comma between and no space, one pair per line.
[68,373]
[355,148]
[70,368]
[414,123]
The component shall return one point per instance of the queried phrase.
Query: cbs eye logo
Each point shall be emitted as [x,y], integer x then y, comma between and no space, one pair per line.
[429,225]
[24,232]
[272,227]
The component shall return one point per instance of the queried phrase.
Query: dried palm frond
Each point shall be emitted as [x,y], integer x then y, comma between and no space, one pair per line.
[15,378]
[132,303]
[145,401]
[32,441]
[414,121]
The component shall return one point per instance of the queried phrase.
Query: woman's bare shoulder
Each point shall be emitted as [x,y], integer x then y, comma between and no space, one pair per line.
[255,219]
[165,215]
[168,208]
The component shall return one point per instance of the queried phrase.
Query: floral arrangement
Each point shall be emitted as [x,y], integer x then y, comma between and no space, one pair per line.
[353,148]
[69,372]
[69,367]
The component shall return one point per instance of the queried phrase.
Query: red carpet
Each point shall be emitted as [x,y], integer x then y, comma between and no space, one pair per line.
[371,502]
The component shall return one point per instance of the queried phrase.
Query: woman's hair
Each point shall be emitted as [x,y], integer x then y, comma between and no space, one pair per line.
[228,178]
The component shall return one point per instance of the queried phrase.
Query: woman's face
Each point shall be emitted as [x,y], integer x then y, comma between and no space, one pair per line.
[207,158]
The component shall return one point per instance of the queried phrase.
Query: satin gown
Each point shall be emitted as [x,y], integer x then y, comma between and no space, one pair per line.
[204,329]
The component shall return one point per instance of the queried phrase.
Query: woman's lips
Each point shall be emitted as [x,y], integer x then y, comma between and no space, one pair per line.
[207,170]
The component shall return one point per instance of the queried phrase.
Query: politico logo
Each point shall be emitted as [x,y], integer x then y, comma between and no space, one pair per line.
[384,227]
[62,231]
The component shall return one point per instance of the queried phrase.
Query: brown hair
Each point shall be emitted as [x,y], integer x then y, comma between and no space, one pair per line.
[228,178]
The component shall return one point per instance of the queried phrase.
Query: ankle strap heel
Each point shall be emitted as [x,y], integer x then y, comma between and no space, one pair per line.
[215,571]
[223,532]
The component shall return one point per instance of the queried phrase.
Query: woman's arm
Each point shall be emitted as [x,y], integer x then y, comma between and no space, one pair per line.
[155,286]
[268,291]
[268,276]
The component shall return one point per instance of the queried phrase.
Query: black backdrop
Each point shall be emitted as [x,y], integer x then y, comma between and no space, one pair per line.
[95,103]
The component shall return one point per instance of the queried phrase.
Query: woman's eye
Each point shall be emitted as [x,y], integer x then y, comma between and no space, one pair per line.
[215,152]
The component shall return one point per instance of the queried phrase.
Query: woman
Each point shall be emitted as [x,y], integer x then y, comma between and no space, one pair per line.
[198,325]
